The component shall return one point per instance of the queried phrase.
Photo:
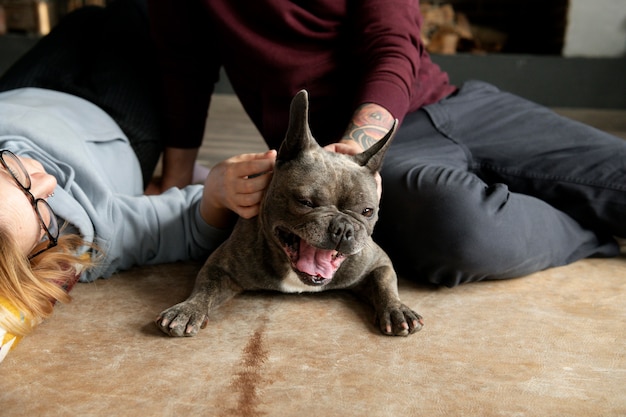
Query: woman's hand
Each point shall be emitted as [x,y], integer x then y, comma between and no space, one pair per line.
[236,186]
[346,146]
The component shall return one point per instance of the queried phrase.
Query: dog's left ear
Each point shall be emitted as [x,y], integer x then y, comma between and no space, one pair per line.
[372,157]
[298,137]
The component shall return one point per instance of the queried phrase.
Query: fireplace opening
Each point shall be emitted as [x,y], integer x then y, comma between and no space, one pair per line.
[495,26]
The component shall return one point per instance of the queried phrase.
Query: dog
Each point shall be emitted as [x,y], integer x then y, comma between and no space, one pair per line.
[313,233]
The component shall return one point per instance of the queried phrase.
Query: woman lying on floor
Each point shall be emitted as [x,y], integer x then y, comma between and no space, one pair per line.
[79,140]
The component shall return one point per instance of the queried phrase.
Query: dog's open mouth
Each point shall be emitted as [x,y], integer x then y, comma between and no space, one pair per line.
[314,266]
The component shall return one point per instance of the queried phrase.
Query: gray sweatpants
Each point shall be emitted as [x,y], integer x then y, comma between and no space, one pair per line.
[487,185]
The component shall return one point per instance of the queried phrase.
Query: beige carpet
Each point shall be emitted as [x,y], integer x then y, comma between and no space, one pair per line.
[550,344]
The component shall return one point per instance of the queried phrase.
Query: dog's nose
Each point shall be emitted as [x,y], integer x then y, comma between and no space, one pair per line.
[341,231]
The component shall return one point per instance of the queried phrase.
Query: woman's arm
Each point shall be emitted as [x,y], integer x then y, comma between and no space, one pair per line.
[180,224]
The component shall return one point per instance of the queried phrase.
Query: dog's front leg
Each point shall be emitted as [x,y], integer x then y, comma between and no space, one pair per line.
[213,287]
[392,316]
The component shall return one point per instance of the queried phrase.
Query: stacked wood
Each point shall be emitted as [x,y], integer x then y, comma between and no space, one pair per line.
[446,31]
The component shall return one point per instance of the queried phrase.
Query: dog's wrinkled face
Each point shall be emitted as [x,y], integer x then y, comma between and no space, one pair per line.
[321,207]
[326,217]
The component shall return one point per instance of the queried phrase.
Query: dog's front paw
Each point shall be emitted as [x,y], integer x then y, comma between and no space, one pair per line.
[183,319]
[399,320]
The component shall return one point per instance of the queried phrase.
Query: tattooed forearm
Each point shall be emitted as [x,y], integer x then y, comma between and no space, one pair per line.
[369,123]
[365,136]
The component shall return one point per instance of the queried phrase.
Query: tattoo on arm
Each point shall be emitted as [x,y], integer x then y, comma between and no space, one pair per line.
[369,123]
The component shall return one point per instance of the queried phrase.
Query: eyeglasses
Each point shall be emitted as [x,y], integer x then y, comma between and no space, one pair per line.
[14,166]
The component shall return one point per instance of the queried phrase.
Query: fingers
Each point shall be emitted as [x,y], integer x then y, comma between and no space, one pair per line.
[249,193]
[248,172]
[348,147]
[239,182]
[379,185]
[251,165]
[257,159]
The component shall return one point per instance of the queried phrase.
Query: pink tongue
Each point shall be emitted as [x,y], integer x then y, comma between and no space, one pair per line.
[314,261]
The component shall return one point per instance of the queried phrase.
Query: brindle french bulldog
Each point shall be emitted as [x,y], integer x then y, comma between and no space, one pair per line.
[313,234]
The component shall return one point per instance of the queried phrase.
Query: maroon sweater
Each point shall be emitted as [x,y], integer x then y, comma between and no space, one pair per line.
[344,53]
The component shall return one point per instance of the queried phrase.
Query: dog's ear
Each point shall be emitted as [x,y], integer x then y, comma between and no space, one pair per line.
[298,137]
[372,157]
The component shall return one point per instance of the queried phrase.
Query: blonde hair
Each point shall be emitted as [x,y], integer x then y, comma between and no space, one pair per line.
[34,286]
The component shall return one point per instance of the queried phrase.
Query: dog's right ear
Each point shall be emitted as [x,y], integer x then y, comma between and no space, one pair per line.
[298,137]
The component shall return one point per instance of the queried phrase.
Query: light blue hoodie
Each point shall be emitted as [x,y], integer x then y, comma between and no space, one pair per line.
[100,190]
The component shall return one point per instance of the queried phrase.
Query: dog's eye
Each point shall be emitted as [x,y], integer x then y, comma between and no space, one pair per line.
[368,212]
[305,202]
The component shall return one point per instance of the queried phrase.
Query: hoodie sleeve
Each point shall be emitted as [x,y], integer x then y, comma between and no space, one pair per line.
[146,230]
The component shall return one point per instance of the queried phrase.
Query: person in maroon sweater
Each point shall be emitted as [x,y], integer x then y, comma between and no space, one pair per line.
[478,183]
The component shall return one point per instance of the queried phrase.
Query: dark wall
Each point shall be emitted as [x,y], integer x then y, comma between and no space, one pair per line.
[550,80]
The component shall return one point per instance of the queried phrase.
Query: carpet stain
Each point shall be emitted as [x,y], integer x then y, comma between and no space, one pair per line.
[248,378]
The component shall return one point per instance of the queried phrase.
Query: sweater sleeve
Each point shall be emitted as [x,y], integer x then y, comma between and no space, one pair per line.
[395,61]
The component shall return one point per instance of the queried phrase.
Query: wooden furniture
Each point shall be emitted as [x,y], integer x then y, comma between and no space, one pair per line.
[28,16]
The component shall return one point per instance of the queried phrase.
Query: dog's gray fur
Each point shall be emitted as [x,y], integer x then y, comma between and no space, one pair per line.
[313,233]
